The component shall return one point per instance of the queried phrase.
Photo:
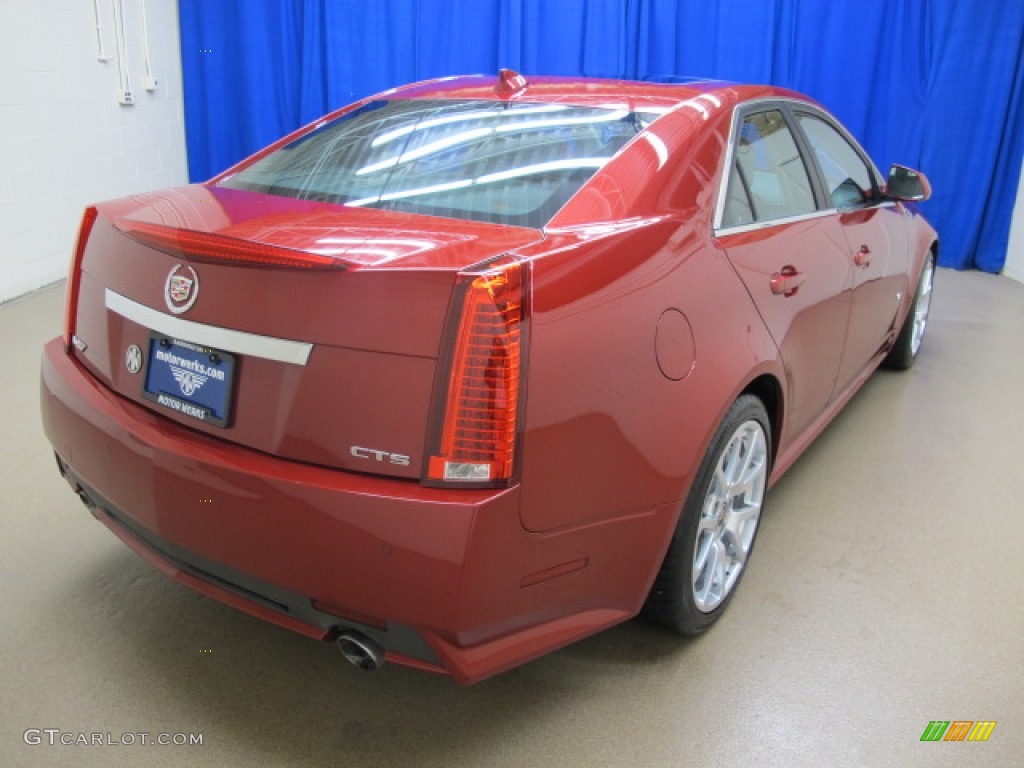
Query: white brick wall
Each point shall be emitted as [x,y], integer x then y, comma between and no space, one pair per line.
[65,142]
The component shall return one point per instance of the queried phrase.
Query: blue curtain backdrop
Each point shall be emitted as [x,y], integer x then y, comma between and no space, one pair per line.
[935,84]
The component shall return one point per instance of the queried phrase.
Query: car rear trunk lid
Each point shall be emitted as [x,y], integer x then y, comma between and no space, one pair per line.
[332,362]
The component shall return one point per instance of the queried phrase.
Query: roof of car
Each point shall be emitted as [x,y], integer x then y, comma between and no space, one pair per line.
[583,91]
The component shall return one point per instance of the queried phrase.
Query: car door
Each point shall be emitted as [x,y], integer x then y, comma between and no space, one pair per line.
[792,257]
[875,234]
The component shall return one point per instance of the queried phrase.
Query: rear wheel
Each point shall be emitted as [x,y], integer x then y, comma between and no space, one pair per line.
[908,343]
[716,531]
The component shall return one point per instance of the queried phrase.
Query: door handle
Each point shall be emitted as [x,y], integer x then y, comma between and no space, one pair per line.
[786,282]
[862,258]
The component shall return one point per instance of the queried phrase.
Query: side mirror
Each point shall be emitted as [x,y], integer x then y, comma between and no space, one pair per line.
[907,184]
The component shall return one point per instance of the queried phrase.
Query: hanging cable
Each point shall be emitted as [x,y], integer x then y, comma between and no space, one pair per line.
[124,88]
[150,81]
[101,55]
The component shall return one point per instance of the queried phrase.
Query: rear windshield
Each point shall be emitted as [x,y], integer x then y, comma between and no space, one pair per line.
[478,160]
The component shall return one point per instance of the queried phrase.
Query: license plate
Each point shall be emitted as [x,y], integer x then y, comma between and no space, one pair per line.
[190,379]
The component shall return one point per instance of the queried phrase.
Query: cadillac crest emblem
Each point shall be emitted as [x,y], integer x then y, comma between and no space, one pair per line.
[181,289]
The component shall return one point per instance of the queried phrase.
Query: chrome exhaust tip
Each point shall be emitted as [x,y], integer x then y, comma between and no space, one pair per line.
[360,651]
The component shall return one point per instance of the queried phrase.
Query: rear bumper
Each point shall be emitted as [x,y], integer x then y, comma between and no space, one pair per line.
[444,580]
[253,596]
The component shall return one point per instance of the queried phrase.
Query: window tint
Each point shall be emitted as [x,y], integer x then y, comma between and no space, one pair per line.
[769,167]
[479,160]
[847,178]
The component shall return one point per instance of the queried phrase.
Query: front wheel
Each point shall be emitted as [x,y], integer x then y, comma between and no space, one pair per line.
[716,530]
[908,343]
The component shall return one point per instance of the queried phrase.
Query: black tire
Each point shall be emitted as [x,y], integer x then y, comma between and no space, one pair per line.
[908,344]
[678,600]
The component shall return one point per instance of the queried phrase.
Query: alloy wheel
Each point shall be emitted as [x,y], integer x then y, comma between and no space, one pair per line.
[730,515]
[922,305]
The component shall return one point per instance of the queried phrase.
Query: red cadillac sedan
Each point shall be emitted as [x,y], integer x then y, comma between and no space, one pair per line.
[474,368]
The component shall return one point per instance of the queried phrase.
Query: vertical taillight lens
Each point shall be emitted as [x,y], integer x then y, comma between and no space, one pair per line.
[475,441]
[75,277]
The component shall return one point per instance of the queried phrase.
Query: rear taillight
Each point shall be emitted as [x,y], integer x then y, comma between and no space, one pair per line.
[204,246]
[475,440]
[75,277]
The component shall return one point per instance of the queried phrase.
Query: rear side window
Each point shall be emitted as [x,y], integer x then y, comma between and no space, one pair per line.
[768,180]
[479,160]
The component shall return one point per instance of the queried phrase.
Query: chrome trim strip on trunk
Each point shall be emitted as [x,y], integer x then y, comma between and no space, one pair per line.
[241,342]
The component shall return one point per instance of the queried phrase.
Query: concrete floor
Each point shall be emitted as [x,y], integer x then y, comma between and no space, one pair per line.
[885,592]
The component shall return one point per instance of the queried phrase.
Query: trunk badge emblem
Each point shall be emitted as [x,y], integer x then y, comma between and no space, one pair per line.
[133,359]
[181,290]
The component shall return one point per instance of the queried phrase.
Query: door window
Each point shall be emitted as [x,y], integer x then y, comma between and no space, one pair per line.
[847,177]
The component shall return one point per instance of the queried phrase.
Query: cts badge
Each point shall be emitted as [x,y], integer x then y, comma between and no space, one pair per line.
[398,459]
[181,289]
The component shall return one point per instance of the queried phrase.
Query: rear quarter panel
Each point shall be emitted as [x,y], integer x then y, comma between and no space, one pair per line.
[607,433]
